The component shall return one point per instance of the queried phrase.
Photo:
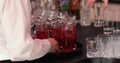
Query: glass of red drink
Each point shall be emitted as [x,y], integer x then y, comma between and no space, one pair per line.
[68,37]
[42,31]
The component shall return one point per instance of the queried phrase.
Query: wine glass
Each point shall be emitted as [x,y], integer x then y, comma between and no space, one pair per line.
[99,22]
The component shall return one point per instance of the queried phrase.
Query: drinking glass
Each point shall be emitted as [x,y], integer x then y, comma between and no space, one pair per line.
[105,42]
[99,22]
[116,30]
[85,20]
[55,30]
[36,18]
[107,29]
[42,26]
[68,36]
[42,31]
[92,47]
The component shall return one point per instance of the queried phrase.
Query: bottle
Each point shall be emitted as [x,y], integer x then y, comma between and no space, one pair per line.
[74,8]
[63,5]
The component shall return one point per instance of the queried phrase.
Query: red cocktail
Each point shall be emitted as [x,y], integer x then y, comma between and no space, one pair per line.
[55,33]
[69,39]
[42,32]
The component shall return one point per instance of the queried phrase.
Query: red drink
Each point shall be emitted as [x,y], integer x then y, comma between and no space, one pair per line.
[65,35]
[42,32]
[68,40]
[55,33]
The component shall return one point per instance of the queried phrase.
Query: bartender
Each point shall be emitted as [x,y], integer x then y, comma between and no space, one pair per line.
[16,43]
[92,2]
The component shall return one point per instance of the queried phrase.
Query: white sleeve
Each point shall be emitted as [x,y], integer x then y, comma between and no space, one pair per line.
[16,24]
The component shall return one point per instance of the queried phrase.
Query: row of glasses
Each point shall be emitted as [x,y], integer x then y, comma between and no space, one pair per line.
[52,24]
[100,46]
[112,29]
[112,22]
[110,47]
[40,16]
[103,46]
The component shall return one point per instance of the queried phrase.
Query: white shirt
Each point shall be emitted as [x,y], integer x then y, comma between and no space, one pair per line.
[16,43]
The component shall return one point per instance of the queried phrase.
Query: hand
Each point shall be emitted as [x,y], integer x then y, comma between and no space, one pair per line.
[105,3]
[92,2]
[54,45]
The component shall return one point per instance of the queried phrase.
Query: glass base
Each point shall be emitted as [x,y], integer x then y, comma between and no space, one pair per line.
[85,23]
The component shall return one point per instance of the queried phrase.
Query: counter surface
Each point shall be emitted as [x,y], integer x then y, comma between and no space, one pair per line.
[78,56]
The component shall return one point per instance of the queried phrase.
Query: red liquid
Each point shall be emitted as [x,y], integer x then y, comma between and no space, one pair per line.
[68,42]
[66,38]
[41,32]
[55,33]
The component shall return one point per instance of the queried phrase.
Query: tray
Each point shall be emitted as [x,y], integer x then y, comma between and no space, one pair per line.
[75,52]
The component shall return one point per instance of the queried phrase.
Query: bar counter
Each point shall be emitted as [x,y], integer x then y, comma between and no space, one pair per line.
[77,56]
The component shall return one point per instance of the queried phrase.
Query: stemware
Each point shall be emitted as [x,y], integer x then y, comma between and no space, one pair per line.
[108,28]
[99,22]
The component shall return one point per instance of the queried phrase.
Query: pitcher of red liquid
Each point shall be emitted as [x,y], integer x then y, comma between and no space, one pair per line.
[68,36]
